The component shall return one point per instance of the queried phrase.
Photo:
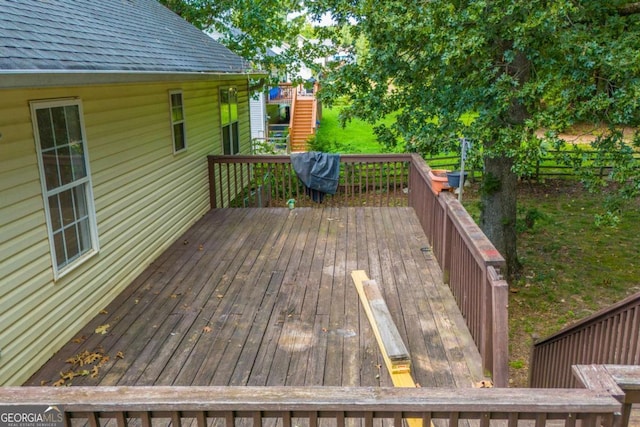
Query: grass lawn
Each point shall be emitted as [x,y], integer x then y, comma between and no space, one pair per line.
[356,137]
[571,267]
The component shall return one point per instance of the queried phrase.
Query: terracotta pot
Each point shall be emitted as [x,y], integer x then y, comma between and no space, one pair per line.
[439,180]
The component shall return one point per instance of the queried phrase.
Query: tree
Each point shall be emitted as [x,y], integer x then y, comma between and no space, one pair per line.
[251,28]
[515,67]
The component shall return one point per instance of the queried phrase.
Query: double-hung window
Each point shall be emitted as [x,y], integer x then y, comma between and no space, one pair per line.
[177,121]
[66,181]
[229,120]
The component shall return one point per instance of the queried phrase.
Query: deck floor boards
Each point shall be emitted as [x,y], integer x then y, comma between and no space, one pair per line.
[265,297]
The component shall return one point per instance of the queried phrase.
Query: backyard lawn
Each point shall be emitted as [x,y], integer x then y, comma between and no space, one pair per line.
[356,137]
[571,266]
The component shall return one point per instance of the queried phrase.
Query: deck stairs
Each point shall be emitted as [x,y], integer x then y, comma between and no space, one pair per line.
[302,123]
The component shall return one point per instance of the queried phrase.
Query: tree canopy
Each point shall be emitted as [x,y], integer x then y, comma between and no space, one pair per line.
[516,68]
[252,28]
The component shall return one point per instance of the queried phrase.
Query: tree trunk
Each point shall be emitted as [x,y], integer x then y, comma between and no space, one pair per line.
[498,214]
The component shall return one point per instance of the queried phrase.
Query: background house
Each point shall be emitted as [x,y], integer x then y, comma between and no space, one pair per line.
[107,113]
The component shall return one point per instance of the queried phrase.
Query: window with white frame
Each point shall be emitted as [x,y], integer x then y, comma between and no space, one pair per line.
[66,181]
[177,121]
[229,120]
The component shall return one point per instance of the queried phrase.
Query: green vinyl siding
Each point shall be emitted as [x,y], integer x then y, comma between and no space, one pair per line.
[145,198]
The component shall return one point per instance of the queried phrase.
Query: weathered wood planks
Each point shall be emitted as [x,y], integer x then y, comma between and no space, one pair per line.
[264,297]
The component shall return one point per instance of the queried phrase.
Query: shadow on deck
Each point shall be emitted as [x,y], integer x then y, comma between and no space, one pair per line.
[264,297]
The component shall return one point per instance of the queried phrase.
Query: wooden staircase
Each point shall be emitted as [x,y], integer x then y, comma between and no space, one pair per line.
[303,118]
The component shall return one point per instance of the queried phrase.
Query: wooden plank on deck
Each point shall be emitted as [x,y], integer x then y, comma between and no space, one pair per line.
[393,349]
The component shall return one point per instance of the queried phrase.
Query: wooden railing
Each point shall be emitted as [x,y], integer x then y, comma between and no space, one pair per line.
[283,94]
[620,381]
[611,336]
[471,266]
[309,407]
[470,263]
[271,144]
[270,181]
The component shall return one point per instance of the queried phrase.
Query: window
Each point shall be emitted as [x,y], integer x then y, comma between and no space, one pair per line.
[66,182]
[229,120]
[177,121]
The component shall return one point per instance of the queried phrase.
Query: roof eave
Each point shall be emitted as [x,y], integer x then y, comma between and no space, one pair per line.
[15,79]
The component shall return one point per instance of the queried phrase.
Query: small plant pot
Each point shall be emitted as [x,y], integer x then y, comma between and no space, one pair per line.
[438,180]
[453,178]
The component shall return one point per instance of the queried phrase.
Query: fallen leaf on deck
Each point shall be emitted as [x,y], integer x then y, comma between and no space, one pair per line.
[484,384]
[219,296]
[200,248]
[43,382]
[82,373]
[104,312]
[104,360]
[174,296]
[67,375]
[120,355]
[79,340]
[102,329]
[207,329]
[91,357]
[58,383]
[94,372]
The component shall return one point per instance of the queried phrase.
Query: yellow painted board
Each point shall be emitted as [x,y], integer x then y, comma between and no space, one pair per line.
[359,278]
[400,372]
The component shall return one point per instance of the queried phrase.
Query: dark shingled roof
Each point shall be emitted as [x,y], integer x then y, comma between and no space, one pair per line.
[106,35]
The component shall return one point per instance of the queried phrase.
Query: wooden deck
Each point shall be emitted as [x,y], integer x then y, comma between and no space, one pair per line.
[265,297]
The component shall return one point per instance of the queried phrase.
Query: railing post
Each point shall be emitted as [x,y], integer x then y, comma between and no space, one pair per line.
[212,184]
[446,242]
[621,382]
[499,328]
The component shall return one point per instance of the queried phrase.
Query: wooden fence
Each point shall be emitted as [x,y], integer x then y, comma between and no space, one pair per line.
[611,336]
[312,406]
[547,166]
[470,263]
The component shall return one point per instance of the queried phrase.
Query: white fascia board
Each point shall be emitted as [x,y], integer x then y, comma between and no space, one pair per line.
[14,79]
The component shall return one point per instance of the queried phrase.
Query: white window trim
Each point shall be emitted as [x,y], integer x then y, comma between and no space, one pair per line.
[93,223]
[183,121]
